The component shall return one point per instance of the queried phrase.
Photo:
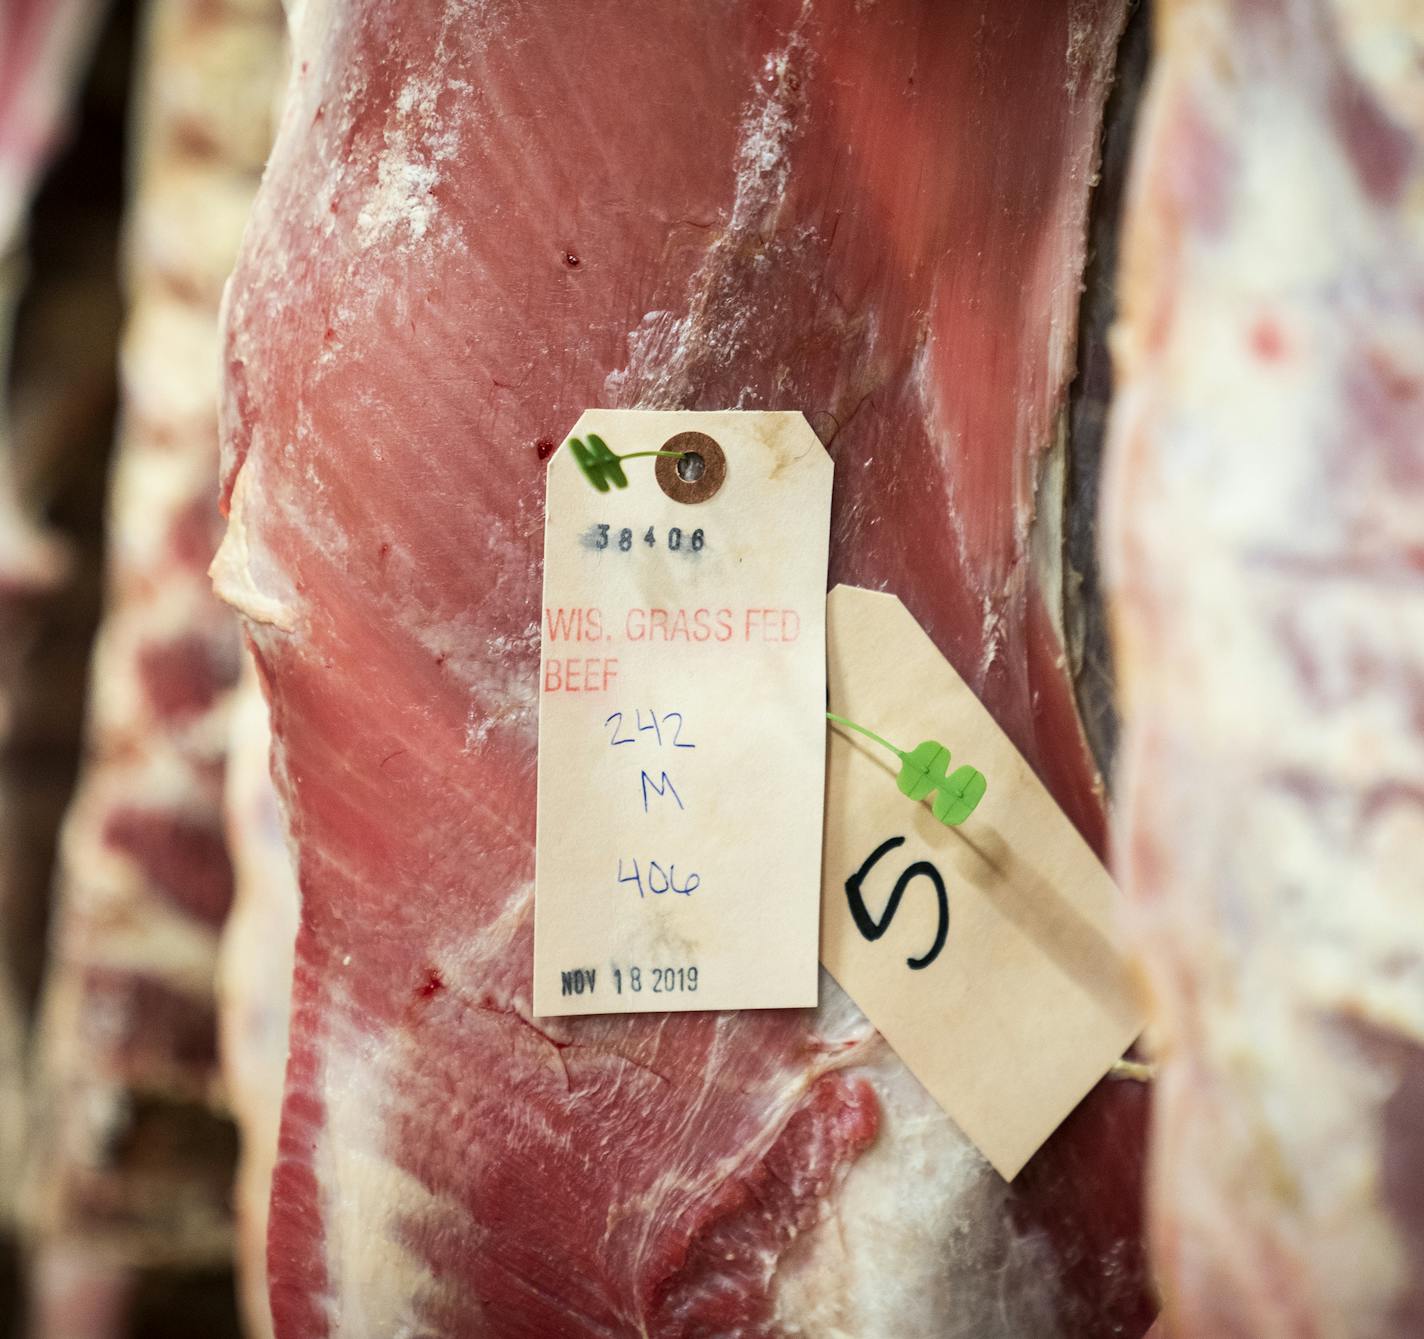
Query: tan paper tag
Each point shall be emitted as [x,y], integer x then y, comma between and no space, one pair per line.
[681,728]
[1029,1000]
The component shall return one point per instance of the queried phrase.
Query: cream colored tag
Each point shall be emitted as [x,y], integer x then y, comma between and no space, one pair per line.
[1030,1000]
[681,728]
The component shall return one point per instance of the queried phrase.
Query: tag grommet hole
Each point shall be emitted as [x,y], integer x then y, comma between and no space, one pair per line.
[694,475]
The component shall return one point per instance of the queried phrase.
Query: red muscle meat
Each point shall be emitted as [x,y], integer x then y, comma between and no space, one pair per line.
[1267,551]
[480,219]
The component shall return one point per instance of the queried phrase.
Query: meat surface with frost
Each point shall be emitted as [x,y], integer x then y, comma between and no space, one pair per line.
[1266,530]
[131,1160]
[478,220]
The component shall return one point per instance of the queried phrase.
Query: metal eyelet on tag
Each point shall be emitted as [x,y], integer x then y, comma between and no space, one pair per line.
[698,475]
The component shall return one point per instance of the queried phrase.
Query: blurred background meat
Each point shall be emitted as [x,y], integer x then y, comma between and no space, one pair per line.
[56,341]
[1267,530]
[126,1207]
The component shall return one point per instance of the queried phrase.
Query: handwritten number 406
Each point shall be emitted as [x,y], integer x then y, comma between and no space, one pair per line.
[871,928]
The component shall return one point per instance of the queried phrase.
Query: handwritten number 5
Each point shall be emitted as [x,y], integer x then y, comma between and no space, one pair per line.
[872,929]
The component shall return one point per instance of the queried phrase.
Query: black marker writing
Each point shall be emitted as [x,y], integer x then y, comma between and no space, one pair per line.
[872,929]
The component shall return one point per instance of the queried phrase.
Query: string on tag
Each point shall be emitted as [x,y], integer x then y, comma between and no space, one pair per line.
[924,773]
[601,467]
[698,473]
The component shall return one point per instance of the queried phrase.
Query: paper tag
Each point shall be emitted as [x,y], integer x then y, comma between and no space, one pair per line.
[1029,1000]
[681,728]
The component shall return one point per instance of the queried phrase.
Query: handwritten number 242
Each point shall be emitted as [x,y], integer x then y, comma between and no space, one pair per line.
[871,928]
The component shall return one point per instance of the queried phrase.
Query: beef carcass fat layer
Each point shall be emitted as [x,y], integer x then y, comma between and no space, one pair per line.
[254,984]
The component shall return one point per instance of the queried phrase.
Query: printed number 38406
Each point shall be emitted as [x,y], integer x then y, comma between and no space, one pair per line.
[604,537]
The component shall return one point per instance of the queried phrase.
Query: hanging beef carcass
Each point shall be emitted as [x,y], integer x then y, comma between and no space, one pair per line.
[131,1161]
[43,45]
[479,220]
[1267,544]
